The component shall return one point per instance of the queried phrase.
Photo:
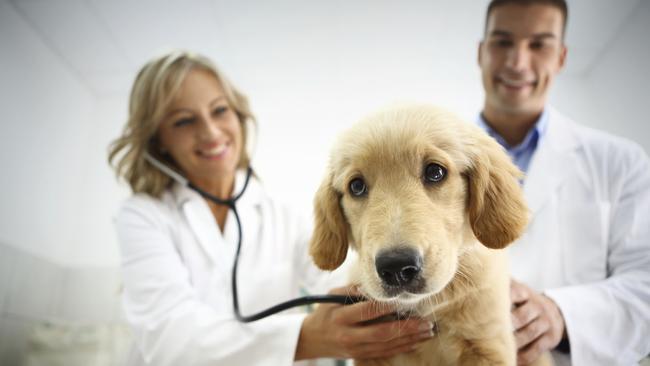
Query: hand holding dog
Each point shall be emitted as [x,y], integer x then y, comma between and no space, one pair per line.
[339,331]
[537,321]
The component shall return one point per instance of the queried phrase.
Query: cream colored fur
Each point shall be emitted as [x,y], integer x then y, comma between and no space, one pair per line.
[457,225]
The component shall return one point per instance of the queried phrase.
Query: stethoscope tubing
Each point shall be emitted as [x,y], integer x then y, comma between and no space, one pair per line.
[230,203]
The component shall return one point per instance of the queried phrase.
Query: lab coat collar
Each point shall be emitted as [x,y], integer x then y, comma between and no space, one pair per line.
[561,134]
[551,163]
[202,222]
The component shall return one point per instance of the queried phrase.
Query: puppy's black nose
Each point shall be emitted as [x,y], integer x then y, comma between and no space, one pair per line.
[398,267]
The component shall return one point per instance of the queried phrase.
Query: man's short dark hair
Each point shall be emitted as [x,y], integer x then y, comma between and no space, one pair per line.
[559,4]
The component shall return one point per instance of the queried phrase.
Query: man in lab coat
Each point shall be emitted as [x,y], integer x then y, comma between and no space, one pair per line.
[581,273]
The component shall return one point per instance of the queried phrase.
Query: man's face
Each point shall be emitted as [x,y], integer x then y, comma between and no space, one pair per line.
[520,55]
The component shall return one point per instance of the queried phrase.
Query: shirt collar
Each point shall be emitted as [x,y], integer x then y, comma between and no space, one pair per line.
[532,137]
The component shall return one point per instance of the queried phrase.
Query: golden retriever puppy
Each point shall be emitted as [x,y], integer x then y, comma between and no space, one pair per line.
[426,200]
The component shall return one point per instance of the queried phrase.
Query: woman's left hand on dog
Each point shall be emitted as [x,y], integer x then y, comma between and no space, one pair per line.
[344,331]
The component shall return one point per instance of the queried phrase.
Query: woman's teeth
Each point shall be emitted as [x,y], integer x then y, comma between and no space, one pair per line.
[216,151]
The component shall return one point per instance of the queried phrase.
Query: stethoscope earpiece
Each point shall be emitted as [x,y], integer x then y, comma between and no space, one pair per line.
[165,169]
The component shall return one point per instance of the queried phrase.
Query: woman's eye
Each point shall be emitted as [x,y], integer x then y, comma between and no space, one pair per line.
[358,187]
[434,173]
[219,110]
[183,122]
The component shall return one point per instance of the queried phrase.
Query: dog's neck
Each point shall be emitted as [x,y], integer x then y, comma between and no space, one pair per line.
[401,316]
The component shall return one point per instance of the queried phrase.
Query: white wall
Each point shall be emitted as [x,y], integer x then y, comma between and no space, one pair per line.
[45,123]
[53,225]
[58,193]
[614,94]
[100,194]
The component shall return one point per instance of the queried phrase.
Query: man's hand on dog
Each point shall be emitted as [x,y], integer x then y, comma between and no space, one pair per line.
[537,322]
[340,331]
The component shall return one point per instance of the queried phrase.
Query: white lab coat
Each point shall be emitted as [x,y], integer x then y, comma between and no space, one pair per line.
[176,267]
[588,244]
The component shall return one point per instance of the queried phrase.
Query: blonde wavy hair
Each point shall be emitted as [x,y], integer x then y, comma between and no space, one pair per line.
[153,90]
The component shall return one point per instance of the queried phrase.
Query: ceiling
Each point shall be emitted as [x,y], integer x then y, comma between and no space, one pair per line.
[103,43]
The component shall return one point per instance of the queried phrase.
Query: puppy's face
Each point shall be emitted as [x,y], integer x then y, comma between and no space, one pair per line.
[411,189]
[404,199]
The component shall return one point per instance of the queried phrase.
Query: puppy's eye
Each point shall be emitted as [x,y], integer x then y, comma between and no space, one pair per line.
[358,187]
[434,173]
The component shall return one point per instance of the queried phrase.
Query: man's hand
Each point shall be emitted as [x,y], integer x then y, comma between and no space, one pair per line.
[537,322]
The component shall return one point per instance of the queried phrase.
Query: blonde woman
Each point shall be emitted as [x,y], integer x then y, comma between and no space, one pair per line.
[178,248]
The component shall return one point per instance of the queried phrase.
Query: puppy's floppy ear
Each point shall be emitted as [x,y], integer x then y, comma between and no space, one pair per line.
[329,242]
[497,210]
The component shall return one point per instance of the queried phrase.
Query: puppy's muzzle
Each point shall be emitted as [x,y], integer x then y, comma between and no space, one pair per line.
[400,270]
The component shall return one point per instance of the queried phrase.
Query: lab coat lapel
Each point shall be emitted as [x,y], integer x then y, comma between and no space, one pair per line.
[552,162]
[248,209]
[200,220]
[219,248]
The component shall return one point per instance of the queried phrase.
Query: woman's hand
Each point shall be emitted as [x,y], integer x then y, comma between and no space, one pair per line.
[338,331]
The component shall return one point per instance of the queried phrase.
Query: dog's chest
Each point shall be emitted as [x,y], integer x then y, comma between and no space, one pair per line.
[441,350]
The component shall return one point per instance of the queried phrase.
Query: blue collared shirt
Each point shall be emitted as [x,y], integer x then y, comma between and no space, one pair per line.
[521,154]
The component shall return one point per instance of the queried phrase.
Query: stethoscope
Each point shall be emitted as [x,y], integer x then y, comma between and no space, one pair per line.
[301,301]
